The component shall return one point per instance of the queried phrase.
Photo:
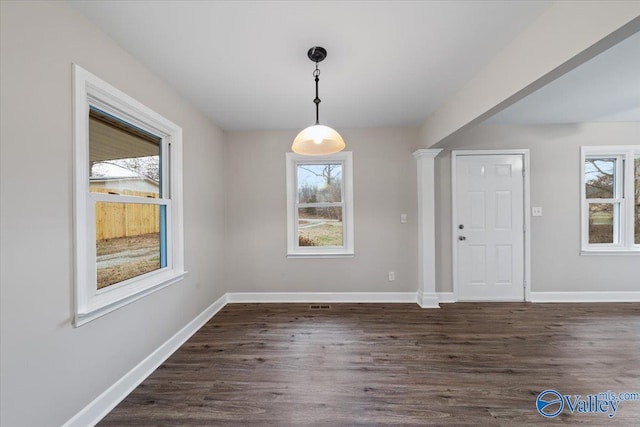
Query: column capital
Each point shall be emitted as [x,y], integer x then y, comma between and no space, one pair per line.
[428,153]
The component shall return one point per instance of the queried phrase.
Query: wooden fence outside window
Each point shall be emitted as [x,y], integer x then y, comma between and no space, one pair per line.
[115,220]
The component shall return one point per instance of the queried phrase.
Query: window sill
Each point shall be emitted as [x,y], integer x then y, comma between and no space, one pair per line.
[106,302]
[321,255]
[609,252]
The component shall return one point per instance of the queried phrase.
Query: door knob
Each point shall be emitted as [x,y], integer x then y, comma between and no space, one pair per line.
[461,226]
[462,238]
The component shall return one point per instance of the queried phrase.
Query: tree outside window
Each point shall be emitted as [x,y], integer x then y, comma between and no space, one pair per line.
[319,205]
[611,198]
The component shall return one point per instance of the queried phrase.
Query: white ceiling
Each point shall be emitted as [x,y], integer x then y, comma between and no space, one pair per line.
[389,63]
[603,89]
[244,64]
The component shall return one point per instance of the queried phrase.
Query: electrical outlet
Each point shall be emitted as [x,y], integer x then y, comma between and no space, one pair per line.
[392,276]
[536,211]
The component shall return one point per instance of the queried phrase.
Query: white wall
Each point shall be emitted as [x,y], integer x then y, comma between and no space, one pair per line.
[49,369]
[384,185]
[556,264]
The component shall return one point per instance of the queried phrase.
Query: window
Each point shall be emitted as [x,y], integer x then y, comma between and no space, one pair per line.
[127,199]
[319,205]
[611,199]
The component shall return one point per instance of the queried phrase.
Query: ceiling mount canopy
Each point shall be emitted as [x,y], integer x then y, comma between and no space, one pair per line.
[317,54]
[317,139]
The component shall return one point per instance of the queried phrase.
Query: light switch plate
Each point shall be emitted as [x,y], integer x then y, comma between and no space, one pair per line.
[403,218]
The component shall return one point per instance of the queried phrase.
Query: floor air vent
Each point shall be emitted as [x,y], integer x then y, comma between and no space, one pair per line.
[319,307]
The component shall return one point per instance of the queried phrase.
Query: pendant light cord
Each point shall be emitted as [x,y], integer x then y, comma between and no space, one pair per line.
[317,101]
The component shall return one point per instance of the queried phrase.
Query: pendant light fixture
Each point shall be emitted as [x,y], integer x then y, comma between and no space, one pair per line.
[317,139]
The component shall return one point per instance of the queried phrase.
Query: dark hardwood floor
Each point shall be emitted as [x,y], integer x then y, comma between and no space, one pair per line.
[466,364]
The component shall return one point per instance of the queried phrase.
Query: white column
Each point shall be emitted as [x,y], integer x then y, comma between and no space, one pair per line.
[427,297]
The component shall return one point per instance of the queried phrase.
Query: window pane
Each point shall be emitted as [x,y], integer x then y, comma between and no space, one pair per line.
[600,178]
[129,240]
[124,159]
[637,199]
[601,222]
[320,226]
[319,183]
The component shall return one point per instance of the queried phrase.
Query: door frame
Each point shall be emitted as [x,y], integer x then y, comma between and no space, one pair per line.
[455,154]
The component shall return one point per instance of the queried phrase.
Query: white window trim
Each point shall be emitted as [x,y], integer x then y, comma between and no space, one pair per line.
[626,245]
[293,249]
[91,303]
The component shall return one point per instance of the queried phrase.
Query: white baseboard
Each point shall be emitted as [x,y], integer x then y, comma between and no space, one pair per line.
[446,297]
[91,414]
[311,297]
[629,296]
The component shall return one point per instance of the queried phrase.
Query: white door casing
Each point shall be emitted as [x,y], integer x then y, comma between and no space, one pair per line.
[490,198]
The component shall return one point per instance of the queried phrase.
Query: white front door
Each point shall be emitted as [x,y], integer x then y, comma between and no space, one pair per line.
[489,227]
